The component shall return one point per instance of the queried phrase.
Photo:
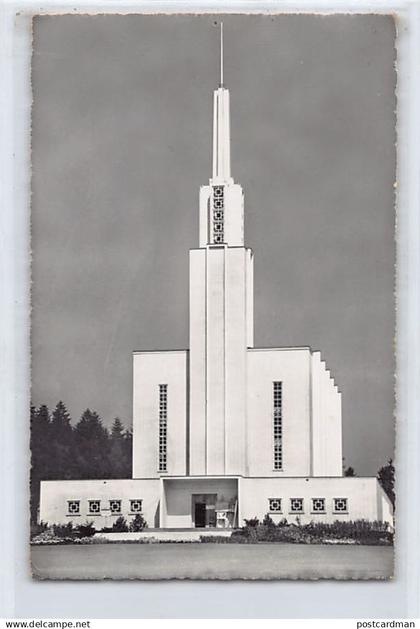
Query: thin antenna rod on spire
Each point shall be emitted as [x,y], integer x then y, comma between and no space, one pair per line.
[221,54]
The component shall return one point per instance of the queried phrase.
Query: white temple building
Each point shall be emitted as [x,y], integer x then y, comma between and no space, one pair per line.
[225,431]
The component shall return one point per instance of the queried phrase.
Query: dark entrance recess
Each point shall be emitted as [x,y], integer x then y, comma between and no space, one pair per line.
[204,510]
[200,514]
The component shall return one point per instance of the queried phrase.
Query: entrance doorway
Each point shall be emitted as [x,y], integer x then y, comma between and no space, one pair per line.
[200,515]
[204,510]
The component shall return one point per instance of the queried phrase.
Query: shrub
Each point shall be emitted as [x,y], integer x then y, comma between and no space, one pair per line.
[138,523]
[38,528]
[362,531]
[250,530]
[46,537]
[64,530]
[86,530]
[239,537]
[268,520]
[252,522]
[358,531]
[120,525]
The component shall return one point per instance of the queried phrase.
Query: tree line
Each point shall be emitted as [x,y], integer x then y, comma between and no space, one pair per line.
[63,451]
[88,450]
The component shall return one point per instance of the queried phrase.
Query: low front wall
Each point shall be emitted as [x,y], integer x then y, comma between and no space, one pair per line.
[55,497]
[365,498]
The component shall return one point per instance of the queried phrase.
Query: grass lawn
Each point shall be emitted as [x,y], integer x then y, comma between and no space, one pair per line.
[212,561]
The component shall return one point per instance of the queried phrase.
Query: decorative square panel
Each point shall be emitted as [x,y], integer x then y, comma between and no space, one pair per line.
[218,215]
[136,506]
[94,506]
[115,506]
[318,505]
[274,504]
[296,505]
[73,506]
[340,505]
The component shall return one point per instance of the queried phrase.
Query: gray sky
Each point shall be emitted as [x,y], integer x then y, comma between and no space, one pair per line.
[121,143]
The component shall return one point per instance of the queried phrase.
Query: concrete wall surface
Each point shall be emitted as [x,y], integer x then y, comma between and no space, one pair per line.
[150,369]
[326,455]
[55,497]
[365,498]
[167,503]
[291,367]
[221,325]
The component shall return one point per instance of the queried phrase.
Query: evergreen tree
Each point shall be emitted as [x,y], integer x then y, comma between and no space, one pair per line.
[62,443]
[60,422]
[128,453]
[60,451]
[120,450]
[117,429]
[386,477]
[92,447]
[349,471]
[40,453]
[41,423]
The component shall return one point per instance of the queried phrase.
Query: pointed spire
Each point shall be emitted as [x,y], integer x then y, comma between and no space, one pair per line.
[221,126]
[221,54]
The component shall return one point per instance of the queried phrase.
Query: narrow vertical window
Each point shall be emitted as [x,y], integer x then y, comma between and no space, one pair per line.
[163,427]
[218,214]
[277,426]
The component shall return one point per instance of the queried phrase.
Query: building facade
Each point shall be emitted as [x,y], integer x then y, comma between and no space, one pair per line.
[225,431]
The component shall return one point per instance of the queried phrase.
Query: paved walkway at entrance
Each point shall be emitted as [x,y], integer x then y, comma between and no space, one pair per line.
[167,535]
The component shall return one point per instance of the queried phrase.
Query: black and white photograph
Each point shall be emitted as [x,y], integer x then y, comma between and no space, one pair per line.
[212,297]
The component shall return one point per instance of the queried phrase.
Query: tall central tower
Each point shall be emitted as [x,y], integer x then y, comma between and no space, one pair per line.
[221,313]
